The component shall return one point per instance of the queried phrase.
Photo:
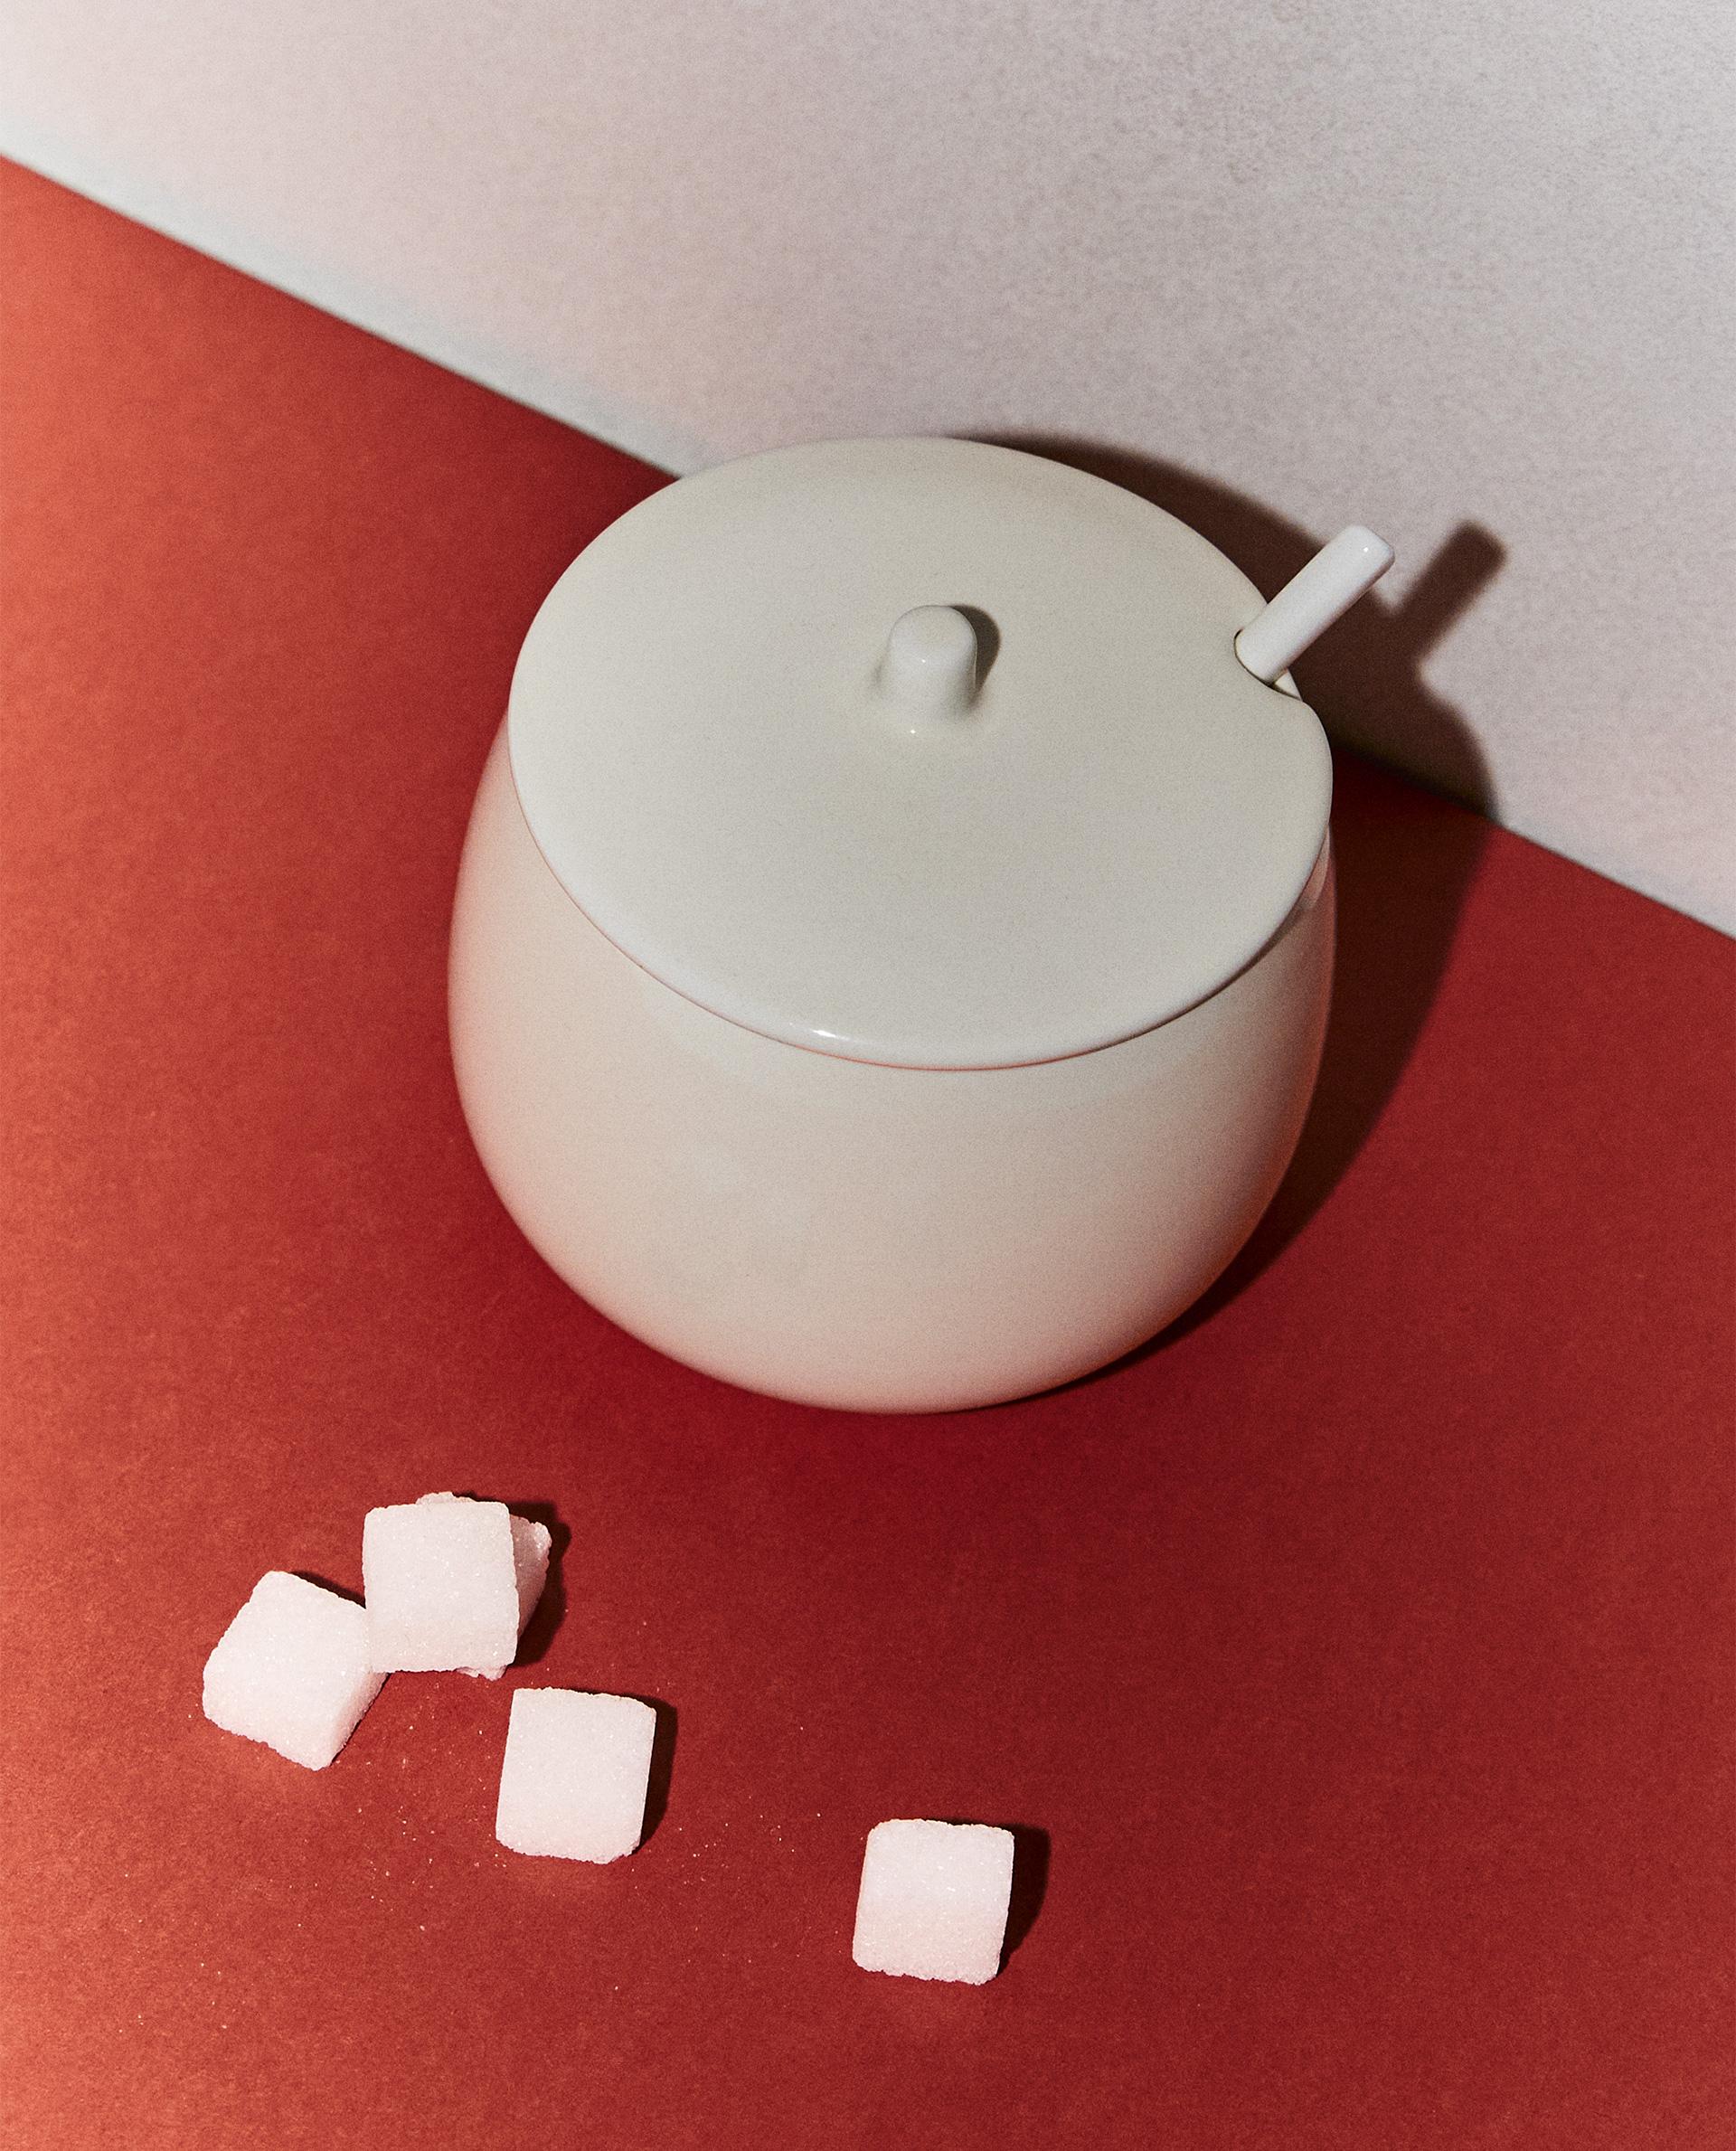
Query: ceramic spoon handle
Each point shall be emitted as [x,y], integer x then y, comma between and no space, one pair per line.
[1311,600]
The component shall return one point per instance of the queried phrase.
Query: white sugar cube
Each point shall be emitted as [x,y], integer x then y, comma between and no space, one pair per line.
[934,1899]
[442,1585]
[292,1670]
[574,1776]
[531,1543]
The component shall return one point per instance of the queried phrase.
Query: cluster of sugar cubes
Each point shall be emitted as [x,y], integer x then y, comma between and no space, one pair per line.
[448,1584]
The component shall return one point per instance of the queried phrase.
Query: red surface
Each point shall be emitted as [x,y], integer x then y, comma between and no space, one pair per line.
[1363,1650]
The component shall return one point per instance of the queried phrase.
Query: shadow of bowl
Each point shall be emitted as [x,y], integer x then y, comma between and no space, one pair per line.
[1405,859]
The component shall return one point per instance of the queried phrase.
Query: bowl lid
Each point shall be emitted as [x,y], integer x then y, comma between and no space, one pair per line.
[916,752]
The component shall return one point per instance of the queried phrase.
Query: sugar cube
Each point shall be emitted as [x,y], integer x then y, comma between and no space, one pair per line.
[442,1585]
[292,1670]
[934,1900]
[575,1773]
[531,1543]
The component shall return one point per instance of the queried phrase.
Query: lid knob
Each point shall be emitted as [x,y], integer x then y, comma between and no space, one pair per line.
[929,665]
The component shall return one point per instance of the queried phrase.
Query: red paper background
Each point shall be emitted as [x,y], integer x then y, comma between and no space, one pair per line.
[1363,1650]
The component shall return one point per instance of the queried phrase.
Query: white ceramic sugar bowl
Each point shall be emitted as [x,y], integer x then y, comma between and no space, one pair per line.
[894,935]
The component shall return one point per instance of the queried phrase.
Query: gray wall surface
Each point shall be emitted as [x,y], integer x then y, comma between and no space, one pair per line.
[1460,273]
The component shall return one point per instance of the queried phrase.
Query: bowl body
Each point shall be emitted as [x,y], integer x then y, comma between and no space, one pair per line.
[844,1233]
